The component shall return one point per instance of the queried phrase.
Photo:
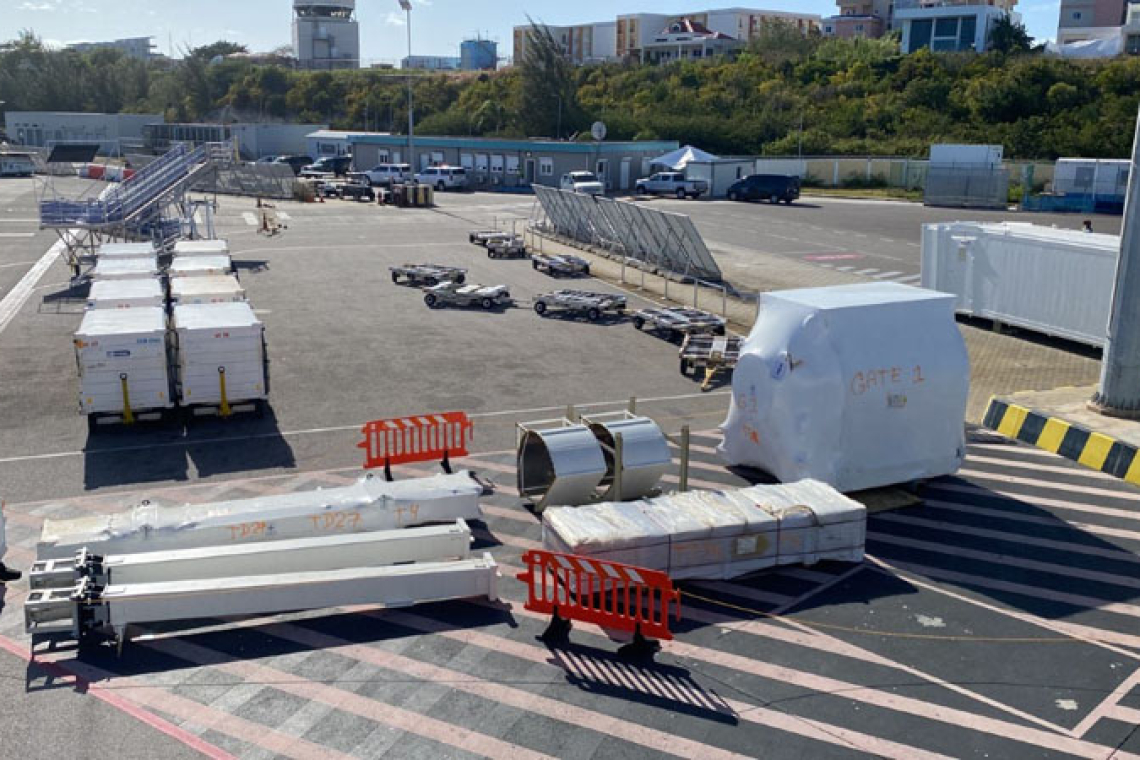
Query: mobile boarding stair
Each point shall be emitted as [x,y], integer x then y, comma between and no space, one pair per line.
[151,205]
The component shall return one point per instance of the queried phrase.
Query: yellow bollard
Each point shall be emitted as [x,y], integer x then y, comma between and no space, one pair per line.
[225,410]
[128,415]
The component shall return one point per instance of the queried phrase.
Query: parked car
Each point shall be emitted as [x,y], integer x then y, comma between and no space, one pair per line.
[671,183]
[266,160]
[357,187]
[296,163]
[443,177]
[385,174]
[765,187]
[337,165]
[582,182]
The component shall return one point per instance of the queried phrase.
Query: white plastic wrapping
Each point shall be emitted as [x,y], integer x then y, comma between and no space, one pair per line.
[858,386]
[715,534]
[369,504]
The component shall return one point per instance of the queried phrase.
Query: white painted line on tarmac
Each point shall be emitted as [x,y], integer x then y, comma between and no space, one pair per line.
[23,290]
[283,216]
[249,218]
[866,272]
[887,275]
[17,234]
[17,264]
[844,269]
[910,278]
[343,428]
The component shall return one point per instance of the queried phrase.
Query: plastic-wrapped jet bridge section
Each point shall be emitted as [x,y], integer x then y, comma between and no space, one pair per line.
[668,241]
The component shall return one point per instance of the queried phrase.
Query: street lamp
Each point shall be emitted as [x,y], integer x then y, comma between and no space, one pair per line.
[407,6]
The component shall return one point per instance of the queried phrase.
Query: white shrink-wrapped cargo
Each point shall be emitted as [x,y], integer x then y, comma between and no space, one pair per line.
[125,269]
[126,294]
[369,504]
[715,534]
[858,386]
[202,248]
[116,344]
[120,251]
[215,339]
[208,289]
[200,266]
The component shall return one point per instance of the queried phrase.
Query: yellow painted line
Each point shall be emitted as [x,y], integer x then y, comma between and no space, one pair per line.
[1096,451]
[1052,435]
[1012,421]
[1133,474]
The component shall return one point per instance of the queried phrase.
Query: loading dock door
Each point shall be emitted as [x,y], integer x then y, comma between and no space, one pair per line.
[625,166]
[530,171]
[603,165]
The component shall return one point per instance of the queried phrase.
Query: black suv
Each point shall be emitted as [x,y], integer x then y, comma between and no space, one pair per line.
[768,187]
[338,165]
[296,163]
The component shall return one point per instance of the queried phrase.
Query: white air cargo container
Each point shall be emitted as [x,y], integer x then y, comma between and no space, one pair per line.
[858,386]
[125,269]
[201,266]
[215,343]
[715,534]
[202,248]
[126,294]
[121,251]
[369,504]
[1056,282]
[207,289]
[117,347]
[966,155]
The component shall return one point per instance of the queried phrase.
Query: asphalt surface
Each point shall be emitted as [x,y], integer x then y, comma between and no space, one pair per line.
[996,619]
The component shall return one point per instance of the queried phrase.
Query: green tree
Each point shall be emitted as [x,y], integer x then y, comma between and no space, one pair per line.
[547,96]
[1009,36]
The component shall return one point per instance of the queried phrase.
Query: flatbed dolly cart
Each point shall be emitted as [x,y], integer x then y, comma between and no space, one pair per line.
[563,264]
[453,294]
[427,275]
[512,248]
[580,303]
[483,237]
[678,321]
[711,354]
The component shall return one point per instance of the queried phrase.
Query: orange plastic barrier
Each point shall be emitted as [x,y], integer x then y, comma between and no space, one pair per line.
[416,439]
[608,594]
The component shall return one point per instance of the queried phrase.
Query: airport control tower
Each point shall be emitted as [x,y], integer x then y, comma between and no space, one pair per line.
[326,34]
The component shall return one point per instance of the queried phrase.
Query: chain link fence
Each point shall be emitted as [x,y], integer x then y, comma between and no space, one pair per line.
[967,186]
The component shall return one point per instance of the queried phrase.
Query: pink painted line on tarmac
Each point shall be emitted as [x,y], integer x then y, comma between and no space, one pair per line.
[1067,547]
[1053,522]
[1126,715]
[807,728]
[1112,579]
[341,699]
[119,703]
[1110,640]
[1110,703]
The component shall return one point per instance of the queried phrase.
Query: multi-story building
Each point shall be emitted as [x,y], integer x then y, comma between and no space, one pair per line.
[430,62]
[949,25]
[655,36]
[115,134]
[326,34]
[1081,20]
[141,48]
[860,18]
[478,55]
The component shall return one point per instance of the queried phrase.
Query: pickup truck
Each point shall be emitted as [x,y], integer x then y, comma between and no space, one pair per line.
[671,183]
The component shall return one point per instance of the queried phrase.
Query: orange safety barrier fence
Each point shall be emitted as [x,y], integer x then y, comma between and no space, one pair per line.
[422,438]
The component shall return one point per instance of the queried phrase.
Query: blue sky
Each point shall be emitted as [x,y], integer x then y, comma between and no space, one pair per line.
[438,25]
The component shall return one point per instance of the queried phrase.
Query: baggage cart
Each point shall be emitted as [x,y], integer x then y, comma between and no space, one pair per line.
[206,289]
[126,294]
[507,248]
[677,321]
[200,266]
[427,275]
[580,303]
[125,269]
[220,359]
[483,237]
[202,248]
[453,294]
[563,264]
[710,353]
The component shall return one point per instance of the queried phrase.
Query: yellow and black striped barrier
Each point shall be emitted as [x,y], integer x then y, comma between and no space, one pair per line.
[1092,449]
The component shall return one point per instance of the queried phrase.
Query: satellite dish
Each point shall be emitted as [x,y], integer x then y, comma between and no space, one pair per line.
[598,131]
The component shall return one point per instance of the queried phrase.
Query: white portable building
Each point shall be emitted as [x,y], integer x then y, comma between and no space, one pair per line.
[201,266]
[858,386]
[126,294]
[125,269]
[1092,176]
[1056,282]
[126,251]
[117,345]
[216,340]
[202,248]
[206,289]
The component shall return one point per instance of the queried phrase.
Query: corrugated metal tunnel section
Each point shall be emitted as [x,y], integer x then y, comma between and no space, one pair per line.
[655,238]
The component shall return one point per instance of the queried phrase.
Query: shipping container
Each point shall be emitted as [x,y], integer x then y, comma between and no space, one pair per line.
[126,294]
[125,269]
[1056,282]
[201,266]
[215,343]
[966,155]
[121,350]
[202,248]
[1091,176]
[119,251]
[206,289]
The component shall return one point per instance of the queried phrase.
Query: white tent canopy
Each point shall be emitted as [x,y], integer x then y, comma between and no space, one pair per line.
[681,157]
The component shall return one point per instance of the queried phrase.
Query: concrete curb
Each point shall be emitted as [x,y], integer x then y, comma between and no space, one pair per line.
[1080,444]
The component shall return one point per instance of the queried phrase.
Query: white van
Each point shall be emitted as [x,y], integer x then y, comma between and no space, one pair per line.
[443,177]
[386,174]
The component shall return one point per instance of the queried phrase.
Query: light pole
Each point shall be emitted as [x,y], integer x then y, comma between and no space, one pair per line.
[407,6]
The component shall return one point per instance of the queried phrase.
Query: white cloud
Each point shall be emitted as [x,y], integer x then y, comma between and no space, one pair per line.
[394,19]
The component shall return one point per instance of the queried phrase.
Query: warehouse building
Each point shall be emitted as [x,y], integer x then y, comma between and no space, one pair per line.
[507,164]
[254,141]
[115,133]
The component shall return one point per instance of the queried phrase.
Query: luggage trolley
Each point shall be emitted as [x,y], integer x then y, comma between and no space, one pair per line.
[507,248]
[427,275]
[484,237]
[710,353]
[454,294]
[580,303]
[563,264]
[676,321]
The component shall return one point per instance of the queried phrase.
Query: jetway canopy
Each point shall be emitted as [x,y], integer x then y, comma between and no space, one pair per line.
[668,241]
